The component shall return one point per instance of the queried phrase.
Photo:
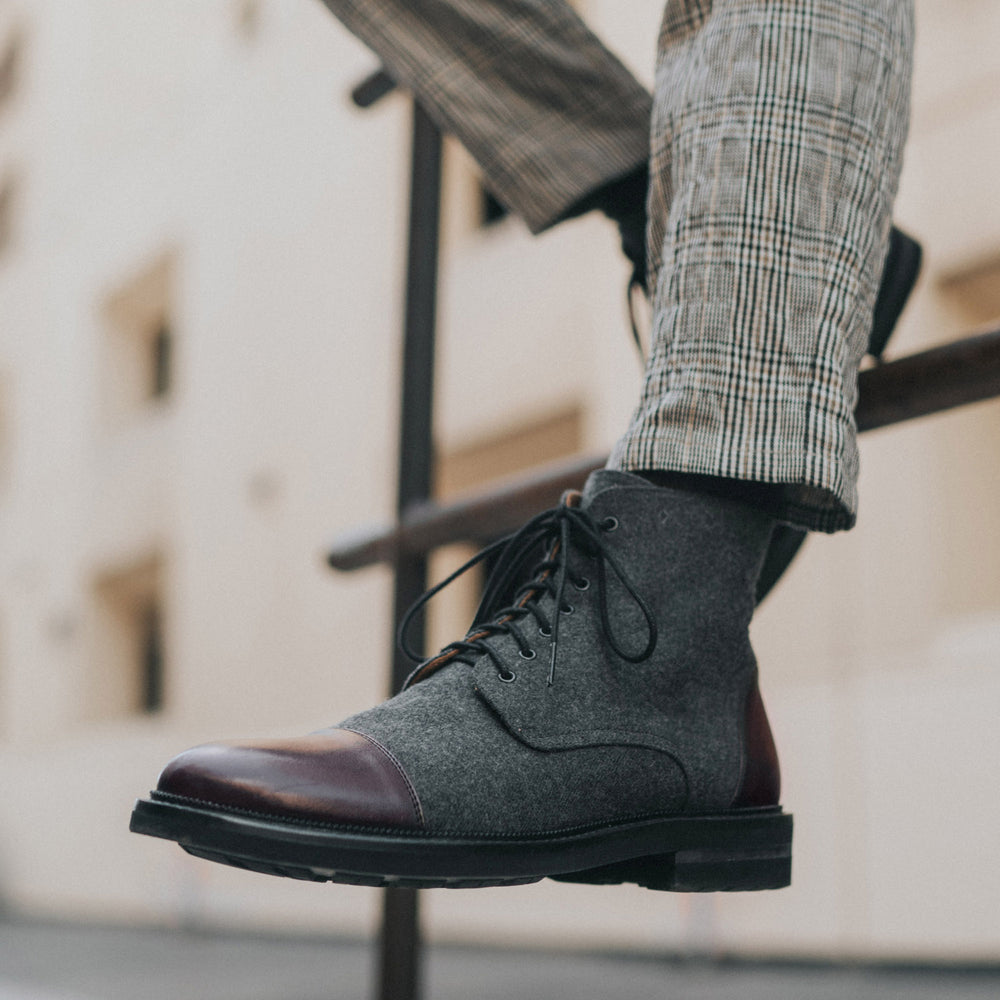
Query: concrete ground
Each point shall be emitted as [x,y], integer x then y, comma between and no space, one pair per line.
[72,962]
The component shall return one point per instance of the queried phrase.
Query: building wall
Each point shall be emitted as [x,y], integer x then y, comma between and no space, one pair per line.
[199,163]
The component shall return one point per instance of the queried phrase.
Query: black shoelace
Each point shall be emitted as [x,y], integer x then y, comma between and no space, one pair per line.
[553,531]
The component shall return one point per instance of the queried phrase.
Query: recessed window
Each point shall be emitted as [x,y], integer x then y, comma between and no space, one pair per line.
[149,666]
[8,201]
[10,67]
[6,428]
[973,292]
[160,360]
[129,650]
[248,18]
[139,350]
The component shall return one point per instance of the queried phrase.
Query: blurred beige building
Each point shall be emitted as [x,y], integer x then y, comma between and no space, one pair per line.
[200,258]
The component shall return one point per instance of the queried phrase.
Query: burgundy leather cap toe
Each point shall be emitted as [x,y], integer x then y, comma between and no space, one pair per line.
[332,777]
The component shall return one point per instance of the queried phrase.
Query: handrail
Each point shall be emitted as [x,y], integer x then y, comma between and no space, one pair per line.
[954,374]
[942,378]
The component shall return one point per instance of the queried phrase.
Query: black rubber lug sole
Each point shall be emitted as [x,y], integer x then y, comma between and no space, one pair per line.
[745,850]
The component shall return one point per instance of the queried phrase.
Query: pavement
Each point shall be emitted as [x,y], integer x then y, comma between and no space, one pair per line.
[77,962]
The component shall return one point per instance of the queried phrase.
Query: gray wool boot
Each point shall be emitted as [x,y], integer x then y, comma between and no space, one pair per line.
[605,726]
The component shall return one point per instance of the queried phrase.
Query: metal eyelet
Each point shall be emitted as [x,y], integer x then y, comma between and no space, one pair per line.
[545,633]
[567,609]
[609,524]
[582,584]
[530,655]
[507,678]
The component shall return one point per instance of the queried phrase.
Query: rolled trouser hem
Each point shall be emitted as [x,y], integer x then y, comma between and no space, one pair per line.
[800,503]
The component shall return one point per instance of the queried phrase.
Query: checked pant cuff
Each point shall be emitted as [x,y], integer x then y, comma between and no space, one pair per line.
[813,506]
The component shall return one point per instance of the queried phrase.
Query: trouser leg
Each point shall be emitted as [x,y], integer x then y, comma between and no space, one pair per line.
[547,111]
[777,134]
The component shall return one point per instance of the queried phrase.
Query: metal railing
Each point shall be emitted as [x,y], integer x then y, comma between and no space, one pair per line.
[961,372]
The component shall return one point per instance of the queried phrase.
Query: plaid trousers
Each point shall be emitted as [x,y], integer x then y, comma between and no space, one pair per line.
[774,137]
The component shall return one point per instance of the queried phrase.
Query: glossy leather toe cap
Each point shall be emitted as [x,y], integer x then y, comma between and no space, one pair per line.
[335,776]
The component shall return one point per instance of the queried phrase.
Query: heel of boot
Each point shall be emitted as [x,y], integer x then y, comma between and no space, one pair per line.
[728,871]
[697,871]
[740,854]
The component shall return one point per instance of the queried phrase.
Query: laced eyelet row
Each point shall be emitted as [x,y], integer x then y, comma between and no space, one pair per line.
[559,531]
[507,676]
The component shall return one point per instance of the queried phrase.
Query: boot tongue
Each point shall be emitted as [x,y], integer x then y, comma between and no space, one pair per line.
[606,479]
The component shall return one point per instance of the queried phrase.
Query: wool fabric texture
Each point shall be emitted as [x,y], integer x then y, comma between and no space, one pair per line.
[608,739]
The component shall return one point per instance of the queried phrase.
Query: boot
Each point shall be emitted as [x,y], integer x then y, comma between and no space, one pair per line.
[604,726]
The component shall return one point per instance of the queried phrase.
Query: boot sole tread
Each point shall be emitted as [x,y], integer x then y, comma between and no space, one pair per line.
[734,851]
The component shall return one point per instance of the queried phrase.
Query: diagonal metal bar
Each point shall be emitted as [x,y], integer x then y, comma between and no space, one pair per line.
[964,371]
[373,88]
[955,374]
